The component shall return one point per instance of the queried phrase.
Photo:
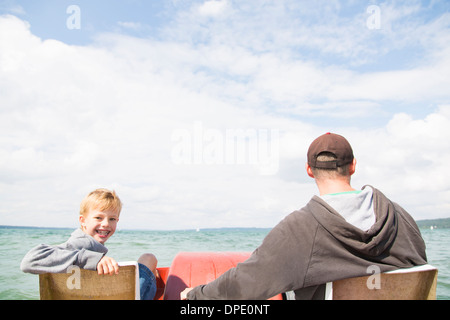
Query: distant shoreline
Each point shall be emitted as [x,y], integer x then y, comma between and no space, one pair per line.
[442,223]
[435,223]
[225,229]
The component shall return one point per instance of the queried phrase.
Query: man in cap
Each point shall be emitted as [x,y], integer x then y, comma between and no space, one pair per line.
[340,234]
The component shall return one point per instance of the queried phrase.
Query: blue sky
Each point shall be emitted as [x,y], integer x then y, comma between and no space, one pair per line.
[150,98]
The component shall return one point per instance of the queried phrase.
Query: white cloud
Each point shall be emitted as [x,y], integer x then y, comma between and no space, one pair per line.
[409,161]
[73,118]
[417,84]
[130,25]
[85,117]
[213,7]
[277,52]
[10,7]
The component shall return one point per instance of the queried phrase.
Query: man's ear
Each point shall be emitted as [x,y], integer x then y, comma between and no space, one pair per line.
[352,167]
[309,170]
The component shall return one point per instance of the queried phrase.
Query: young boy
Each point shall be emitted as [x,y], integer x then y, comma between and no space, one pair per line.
[99,215]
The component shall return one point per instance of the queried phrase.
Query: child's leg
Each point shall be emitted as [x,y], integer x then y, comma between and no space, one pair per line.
[149,260]
[147,276]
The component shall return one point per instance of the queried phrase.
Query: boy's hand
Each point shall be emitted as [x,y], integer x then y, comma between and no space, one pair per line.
[107,265]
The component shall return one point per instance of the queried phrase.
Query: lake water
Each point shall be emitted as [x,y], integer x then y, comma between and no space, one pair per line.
[129,245]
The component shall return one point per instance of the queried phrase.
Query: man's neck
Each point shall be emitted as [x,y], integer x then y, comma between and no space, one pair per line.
[334,186]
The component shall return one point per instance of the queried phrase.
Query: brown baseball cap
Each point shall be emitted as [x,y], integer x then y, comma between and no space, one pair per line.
[333,143]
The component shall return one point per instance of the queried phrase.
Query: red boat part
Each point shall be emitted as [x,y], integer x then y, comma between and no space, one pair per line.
[190,269]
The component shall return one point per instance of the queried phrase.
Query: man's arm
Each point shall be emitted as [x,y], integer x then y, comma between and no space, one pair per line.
[278,265]
[184,293]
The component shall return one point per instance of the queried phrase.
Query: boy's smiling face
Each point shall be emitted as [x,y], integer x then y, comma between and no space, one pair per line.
[100,225]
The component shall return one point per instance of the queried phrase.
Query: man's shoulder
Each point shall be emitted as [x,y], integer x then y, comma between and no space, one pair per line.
[299,218]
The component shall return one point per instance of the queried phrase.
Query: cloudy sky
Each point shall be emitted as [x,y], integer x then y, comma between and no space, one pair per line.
[199,113]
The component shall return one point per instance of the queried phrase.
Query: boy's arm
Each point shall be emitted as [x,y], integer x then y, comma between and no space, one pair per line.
[56,259]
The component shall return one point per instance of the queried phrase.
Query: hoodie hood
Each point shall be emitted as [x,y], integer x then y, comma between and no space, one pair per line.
[372,242]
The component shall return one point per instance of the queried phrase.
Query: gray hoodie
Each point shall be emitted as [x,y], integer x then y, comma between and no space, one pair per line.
[81,250]
[316,245]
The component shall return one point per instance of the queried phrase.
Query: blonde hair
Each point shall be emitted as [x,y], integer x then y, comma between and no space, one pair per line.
[101,199]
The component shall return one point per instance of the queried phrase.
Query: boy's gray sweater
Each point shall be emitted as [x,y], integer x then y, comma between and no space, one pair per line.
[81,250]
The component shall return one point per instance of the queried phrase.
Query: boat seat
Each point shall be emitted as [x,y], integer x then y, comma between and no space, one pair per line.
[80,284]
[416,283]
